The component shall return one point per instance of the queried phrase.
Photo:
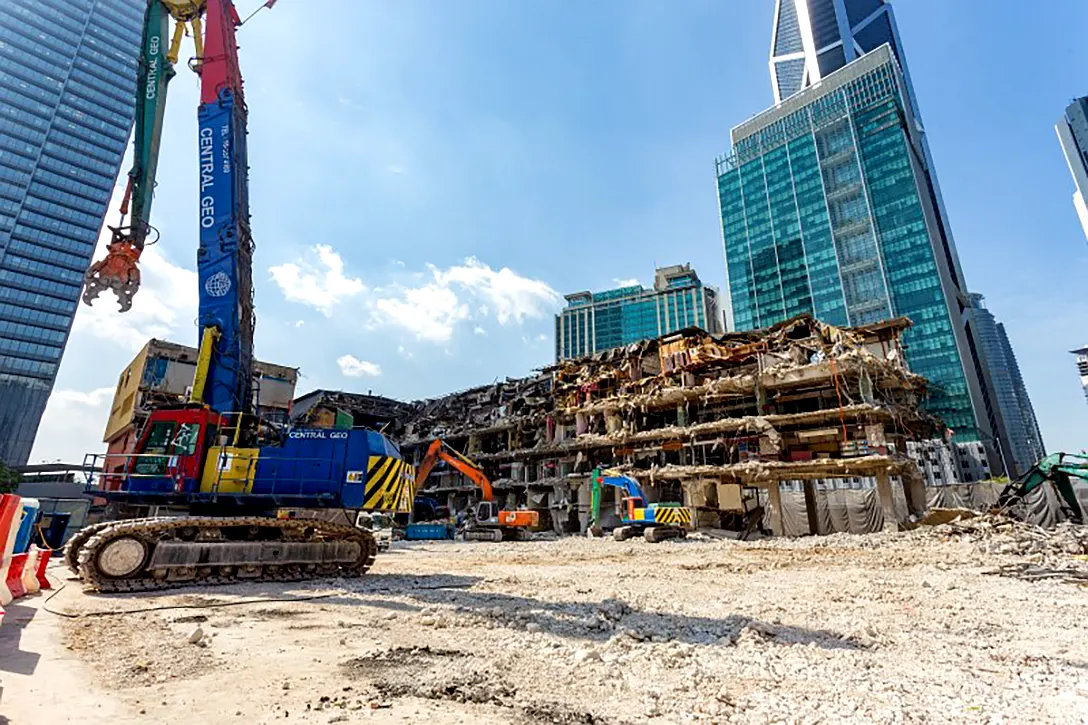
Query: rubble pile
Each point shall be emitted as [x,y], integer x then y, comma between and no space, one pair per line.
[997,534]
[1058,553]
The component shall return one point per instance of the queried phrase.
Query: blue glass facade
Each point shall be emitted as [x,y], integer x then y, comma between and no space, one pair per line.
[825,209]
[67,86]
[593,322]
[1022,441]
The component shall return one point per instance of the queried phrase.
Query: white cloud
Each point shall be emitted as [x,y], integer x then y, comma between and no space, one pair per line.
[353,367]
[429,312]
[404,352]
[479,331]
[78,419]
[625,282]
[433,310]
[512,296]
[396,169]
[299,323]
[322,285]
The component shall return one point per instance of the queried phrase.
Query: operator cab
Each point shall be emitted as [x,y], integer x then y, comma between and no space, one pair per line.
[169,456]
[487,512]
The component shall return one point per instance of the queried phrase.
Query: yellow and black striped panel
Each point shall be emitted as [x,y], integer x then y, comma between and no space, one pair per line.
[678,515]
[389,483]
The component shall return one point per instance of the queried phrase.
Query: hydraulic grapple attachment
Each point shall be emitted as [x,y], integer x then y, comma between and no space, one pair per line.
[118,271]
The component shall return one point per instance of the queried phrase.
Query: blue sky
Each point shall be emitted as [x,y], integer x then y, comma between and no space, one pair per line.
[427,178]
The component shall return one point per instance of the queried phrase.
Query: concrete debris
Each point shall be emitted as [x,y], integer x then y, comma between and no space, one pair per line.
[1031,572]
[903,627]
[1059,553]
[998,534]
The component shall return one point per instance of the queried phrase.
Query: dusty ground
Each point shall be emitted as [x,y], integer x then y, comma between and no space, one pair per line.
[887,628]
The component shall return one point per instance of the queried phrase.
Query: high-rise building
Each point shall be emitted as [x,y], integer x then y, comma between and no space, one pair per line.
[1082,367]
[814,38]
[67,88]
[1073,135]
[827,207]
[1033,434]
[1018,430]
[596,321]
[814,41]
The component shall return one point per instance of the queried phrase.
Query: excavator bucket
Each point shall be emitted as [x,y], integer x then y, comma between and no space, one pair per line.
[118,272]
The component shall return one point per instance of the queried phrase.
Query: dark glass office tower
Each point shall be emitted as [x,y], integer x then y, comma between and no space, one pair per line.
[814,38]
[67,86]
[1018,428]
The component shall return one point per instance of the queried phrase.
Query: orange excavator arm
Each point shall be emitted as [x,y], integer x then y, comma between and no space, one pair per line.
[438,450]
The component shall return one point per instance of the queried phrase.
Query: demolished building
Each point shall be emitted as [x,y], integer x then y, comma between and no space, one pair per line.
[715,421]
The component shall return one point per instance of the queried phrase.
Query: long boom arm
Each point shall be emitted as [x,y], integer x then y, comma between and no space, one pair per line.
[439,450]
[119,270]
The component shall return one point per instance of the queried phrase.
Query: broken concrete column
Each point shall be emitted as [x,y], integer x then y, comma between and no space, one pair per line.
[778,527]
[887,503]
[811,508]
[914,486]
[613,424]
[584,495]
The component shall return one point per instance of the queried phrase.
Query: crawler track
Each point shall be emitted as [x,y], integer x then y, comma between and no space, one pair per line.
[81,537]
[163,553]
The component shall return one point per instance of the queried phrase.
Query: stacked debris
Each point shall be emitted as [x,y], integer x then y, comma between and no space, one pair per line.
[1058,553]
[706,419]
[338,409]
[998,534]
[516,402]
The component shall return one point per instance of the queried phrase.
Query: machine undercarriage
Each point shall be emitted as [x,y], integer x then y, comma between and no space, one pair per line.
[159,553]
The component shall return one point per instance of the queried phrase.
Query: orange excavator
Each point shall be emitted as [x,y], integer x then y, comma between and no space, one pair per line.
[487,522]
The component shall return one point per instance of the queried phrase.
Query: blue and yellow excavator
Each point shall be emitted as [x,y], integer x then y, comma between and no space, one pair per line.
[212,457]
[1058,469]
[655,521]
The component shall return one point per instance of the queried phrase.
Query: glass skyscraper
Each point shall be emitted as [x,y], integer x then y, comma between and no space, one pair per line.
[67,88]
[827,208]
[1073,135]
[814,38]
[596,321]
[1014,413]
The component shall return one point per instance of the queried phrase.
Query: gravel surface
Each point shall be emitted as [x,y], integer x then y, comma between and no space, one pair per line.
[918,627]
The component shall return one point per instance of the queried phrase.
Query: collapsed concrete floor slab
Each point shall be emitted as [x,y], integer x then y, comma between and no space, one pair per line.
[717,422]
